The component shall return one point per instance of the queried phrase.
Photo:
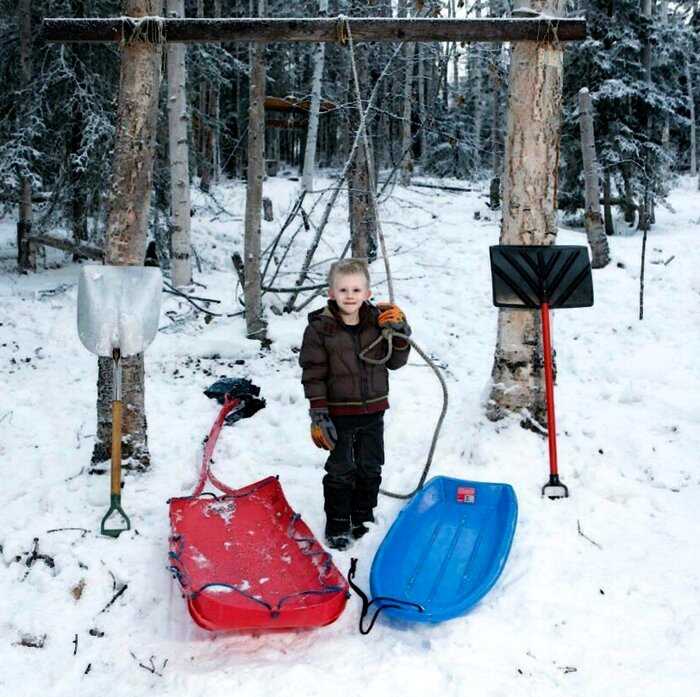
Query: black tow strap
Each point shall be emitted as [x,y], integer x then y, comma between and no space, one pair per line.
[383,602]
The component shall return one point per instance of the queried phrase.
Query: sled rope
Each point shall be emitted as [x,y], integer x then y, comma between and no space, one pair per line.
[383,602]
[388,334]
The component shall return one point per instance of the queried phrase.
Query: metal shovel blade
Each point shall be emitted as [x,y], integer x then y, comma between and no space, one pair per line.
[118,308]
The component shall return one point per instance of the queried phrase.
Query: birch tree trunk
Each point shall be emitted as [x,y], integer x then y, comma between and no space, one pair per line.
[691,109]
[307,180]
[496,53]
[529,212]
[396,88]
[127,221]
[216,118]
[238,158]
[26,251]
[476,82]
[595,230]
[422,140]
[629,205]
[255,325]
[178,148]
[495,188]
[607,206]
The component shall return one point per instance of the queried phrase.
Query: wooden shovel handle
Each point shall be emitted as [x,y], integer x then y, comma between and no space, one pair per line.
[116,447]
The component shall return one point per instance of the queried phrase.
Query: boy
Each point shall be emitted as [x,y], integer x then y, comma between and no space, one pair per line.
[348,396]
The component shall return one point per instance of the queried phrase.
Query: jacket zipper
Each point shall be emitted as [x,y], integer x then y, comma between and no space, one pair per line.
[363,376]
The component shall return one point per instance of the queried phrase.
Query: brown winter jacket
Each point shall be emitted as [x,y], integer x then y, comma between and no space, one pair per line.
[333,374]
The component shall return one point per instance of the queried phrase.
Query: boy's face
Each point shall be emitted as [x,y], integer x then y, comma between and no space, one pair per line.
[349,291]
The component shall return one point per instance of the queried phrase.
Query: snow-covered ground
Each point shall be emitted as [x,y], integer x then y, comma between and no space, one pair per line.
[601,594]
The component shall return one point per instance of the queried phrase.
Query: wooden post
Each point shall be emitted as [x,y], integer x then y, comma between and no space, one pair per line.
[593,220]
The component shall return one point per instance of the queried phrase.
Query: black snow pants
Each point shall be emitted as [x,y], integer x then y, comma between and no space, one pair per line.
[353,472]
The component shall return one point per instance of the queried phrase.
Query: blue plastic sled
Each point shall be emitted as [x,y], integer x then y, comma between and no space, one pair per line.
[445,550]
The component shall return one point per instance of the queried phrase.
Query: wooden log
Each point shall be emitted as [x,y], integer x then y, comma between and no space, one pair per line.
[318,30]
[439,186]
[83,250]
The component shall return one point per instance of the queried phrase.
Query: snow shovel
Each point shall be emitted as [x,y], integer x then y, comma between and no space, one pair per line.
[118,312]
[529,277]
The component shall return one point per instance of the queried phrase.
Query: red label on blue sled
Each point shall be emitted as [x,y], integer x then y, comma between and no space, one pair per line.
[466,494]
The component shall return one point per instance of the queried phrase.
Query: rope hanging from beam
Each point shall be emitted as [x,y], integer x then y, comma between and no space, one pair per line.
[388,334]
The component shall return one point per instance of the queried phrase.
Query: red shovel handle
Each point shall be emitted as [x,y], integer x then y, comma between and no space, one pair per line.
[553,489]
[549,388]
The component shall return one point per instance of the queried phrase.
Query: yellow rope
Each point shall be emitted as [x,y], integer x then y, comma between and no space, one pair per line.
[147,29]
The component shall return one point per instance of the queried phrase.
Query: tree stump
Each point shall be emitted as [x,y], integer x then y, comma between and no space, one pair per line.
[267,210]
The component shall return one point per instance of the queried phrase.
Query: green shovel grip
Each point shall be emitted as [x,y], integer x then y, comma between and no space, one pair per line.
[115,507]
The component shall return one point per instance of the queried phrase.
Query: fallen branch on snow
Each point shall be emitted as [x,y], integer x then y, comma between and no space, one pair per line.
[585,537]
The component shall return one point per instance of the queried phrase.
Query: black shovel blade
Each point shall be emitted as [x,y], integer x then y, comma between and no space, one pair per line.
[526,276]
[232,388]
[248,406]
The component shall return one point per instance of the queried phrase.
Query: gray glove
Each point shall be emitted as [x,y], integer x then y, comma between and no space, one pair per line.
[323,432]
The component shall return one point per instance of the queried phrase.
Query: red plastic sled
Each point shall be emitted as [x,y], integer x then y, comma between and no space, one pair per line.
[246,560]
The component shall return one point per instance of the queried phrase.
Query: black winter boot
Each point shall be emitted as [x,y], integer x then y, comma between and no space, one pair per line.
[337,507]
[338,532]
[359,529]
[364,500]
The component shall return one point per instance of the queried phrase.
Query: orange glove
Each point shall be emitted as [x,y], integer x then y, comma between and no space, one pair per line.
[323,432]
[393,317]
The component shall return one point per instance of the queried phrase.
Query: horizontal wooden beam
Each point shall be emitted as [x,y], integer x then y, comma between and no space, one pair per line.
[318,30]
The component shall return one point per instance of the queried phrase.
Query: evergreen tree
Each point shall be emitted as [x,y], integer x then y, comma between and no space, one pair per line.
[630,111]
[62,143]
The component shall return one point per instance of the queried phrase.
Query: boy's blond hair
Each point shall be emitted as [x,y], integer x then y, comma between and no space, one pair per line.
[345,267]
